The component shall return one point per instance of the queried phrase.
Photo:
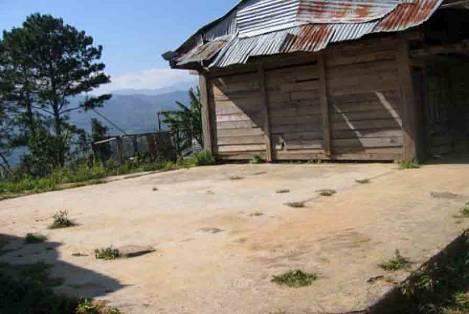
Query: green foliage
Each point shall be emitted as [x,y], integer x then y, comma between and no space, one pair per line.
[107,254]
[43,64]
[33,238]
[256,160]
[61,220]
[87,306]
[441,286]
[403,165]
[203,158]
[28,289]
[295,279]
[99,132]
[186,123]
[398,262]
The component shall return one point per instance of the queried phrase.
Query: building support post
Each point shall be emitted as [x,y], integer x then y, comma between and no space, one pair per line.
[409,104]
[207,126]
[324,101]
[265,103]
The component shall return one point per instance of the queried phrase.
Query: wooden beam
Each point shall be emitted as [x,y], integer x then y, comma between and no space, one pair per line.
[207,126]
[409,112]
[265,102]
[461,47]
[323,98]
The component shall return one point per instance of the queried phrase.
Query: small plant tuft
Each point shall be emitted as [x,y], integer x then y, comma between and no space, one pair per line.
[61,220]
[256,160]
[87,306]
[34,238]
[282,191]
[327,192]
[107,254]
[363,181]
[236,178]
[403,165]
[296,204]
[203,158]
[398,262]
[295,279]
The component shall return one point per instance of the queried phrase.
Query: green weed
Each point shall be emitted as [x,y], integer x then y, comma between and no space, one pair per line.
[107,254]
[61,220]
[408,165]
[295,279]
[398,262]
[256,160]
[33,238]
[296,204]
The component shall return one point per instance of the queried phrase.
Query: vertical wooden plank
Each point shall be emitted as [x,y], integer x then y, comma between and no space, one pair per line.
[265,102]
[323,98]
[207,127]
[409,111]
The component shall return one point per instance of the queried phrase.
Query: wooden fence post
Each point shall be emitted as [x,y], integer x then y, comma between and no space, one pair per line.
[207,127]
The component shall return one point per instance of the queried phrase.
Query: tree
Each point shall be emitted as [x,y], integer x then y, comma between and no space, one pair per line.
[44,64]
[186,123]
[99,132]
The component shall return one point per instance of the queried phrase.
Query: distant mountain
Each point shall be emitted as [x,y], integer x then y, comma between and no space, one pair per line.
[135,113]
[159,91]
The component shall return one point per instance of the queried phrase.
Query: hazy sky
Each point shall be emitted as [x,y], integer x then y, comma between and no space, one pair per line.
[134,33]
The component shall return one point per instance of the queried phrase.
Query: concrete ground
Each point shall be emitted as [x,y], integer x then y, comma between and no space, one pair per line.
[222,232]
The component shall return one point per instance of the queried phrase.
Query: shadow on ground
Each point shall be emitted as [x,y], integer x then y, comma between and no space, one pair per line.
[34,280]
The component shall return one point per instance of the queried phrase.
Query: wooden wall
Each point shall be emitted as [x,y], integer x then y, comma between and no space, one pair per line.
[365,101]
[344,104]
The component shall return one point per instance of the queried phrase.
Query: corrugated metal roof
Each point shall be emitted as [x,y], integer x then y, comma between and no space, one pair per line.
[267,27]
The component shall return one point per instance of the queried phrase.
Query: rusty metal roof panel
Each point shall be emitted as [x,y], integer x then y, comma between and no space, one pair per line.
[202,53]
[267,27]
[408,15]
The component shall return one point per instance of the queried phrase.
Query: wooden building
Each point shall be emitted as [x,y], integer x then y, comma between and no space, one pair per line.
[334,79]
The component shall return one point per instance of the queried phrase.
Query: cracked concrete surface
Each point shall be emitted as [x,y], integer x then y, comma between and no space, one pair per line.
[215,254]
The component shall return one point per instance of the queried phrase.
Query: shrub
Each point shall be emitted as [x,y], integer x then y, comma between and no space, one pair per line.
[33,238]
[61,220]
[203,158]
[107,254]
[295,279]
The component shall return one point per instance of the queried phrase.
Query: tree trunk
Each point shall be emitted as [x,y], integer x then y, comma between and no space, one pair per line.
[60,156]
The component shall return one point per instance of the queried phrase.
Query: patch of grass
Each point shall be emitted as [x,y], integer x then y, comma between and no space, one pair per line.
[256,159]
[87,306]
[282,191]
[61,220]
[203,158]
[236,178]
[396,263]
[327,192]
[296,204]
[107,254]
[34,238]
[363,181]
[28,289]
[441,286]
[409,165]
[295,279]
[257,214]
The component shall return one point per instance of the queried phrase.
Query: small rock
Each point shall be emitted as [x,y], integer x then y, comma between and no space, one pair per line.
[282,191]
[256,214]
[155,189]
[130,251]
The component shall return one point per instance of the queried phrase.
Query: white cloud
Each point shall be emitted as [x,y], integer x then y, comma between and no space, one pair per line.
[147,79]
